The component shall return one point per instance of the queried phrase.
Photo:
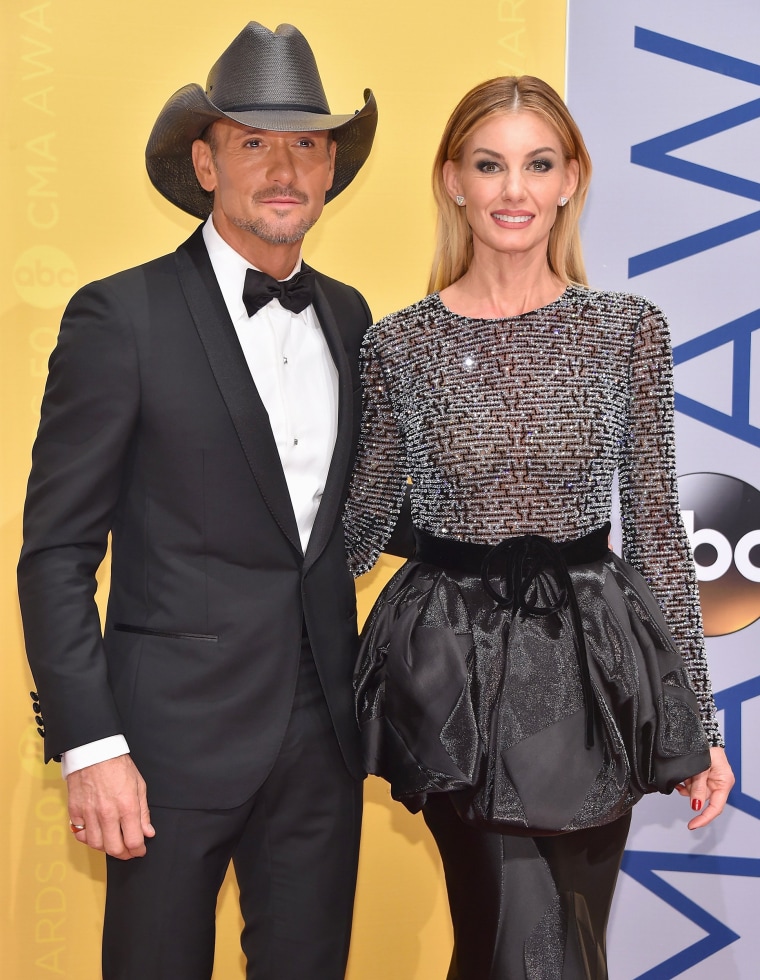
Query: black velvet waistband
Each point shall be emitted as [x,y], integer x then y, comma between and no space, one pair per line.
[467,557]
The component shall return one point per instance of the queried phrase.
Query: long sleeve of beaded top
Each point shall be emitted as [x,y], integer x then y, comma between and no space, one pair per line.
[517,426]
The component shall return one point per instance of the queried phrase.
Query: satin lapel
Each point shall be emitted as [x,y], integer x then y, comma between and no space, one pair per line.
[227,361]
[329,507]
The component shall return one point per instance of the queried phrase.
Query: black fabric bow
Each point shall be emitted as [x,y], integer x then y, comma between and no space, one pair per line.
[294,294]
[525,558]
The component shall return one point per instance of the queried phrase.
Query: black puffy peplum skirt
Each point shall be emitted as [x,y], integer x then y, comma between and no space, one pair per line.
[541,690]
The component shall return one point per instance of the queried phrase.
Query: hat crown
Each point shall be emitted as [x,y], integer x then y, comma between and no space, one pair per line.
[263,69]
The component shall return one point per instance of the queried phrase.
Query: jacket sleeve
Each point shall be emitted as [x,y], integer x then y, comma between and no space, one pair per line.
[89,411]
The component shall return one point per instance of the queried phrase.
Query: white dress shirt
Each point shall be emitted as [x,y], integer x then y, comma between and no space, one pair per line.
[290,363]
[296,378]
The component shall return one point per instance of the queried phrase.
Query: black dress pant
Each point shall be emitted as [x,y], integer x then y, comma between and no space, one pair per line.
[294,846]
[527,908]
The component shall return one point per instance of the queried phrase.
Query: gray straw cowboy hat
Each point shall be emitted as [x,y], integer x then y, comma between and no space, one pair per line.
[267,80]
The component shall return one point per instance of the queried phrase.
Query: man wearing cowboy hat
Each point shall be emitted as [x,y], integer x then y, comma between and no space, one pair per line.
[205,415]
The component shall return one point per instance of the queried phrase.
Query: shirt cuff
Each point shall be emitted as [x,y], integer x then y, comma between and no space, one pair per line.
[92,753]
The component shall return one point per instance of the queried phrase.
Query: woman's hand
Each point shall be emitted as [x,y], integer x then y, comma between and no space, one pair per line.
[708,790]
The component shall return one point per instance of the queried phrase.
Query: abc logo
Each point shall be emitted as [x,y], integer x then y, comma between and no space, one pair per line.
[44,277]
[722,519]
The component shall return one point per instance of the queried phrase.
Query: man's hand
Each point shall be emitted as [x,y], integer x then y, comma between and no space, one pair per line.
[110,801]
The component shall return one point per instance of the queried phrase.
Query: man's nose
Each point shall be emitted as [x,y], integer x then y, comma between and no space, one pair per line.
[280,164]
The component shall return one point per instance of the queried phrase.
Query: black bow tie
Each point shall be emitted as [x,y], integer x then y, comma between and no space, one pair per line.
[294,294]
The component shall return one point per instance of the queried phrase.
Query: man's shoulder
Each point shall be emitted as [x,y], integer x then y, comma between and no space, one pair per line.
[333,285]
[343,297]
[127,279]
[133,295]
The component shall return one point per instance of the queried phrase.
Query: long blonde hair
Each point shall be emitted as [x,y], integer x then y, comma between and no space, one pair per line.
[508,94]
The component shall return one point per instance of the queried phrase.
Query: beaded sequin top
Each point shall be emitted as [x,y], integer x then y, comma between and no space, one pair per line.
[518,425]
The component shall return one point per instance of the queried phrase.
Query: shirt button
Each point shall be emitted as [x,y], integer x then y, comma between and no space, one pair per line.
[295,442]
[284,360]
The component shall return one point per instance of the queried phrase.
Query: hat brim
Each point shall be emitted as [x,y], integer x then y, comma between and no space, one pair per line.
[189,112]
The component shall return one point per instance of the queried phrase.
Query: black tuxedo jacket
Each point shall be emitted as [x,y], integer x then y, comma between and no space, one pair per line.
[152,431]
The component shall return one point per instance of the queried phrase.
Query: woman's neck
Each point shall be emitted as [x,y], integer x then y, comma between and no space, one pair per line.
[502,289]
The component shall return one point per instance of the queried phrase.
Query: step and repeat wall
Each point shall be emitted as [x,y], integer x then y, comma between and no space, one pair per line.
[668,98]
[665,98]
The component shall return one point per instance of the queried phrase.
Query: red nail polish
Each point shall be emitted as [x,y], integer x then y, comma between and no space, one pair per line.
[696,804]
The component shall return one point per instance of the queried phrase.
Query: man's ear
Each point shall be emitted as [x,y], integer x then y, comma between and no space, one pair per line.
[332,148]
[203,164]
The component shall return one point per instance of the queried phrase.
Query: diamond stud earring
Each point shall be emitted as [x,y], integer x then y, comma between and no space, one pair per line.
[460,200]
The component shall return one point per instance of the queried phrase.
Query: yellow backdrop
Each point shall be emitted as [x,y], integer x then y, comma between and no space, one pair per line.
[82,83]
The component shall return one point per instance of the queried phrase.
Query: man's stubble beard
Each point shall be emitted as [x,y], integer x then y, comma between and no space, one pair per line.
[268,232]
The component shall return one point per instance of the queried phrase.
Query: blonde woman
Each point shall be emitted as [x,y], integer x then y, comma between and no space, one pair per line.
[510,396]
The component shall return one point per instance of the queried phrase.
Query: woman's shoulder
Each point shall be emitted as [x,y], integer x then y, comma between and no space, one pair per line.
[405,321]
[615,302]
[423,309]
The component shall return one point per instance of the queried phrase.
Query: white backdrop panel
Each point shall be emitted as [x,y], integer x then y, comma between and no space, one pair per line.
[668,98]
